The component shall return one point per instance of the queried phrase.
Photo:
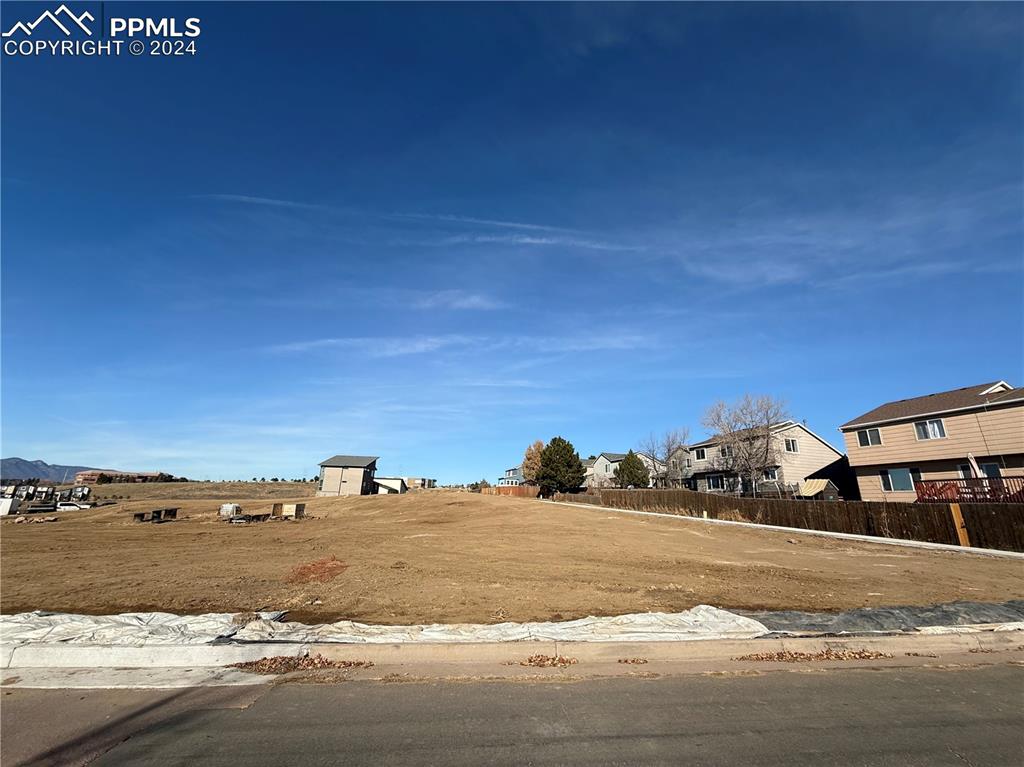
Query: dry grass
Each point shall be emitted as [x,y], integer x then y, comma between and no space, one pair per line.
[285,664]
[793,656]
[213,491]
[450,557]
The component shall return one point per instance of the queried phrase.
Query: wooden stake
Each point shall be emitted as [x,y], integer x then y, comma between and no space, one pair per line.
[958,523]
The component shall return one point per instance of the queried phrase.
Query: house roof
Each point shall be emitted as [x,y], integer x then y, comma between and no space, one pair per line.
[614,457]
[715,439]
[967,398]
[350,461]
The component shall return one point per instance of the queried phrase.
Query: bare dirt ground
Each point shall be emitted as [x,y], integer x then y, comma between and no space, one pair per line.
[443,556]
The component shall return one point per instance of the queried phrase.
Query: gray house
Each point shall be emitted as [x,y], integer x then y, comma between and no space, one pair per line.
[348,475]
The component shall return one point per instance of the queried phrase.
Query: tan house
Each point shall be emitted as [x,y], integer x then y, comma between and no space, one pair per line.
[937,437]
[348,475]
[799,454]
[600,472]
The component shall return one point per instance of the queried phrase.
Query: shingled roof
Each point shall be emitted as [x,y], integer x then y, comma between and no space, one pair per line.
[967,398]
[346,461]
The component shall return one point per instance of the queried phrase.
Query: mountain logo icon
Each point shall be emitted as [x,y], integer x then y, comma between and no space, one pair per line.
[62,17]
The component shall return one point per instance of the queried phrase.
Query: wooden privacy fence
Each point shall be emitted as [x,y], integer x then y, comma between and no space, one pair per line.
[985,525]
[519,491]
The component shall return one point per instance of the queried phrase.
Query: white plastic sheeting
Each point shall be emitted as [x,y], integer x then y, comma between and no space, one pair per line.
[126,629]
[702,622]
[144,629]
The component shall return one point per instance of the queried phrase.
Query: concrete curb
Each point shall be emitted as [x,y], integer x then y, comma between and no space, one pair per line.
[159,656]
[841,536]
[200,656]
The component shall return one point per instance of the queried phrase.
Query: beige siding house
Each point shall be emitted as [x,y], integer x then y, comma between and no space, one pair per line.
[348,475]
[601,472]
[937,436]
[799,454]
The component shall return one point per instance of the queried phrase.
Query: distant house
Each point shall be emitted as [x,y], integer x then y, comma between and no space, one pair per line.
[97,476]
[602,472]
[391,485]
[799,453]
[348,475]
[942,439]
[513,477]
[420,483]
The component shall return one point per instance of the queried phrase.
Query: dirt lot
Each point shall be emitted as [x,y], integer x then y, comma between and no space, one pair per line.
[453,557]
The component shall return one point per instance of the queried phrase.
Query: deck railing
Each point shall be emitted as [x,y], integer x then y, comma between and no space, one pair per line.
[974,490]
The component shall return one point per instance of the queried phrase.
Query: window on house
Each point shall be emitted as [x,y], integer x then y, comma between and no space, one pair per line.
[933,429]
[771,474]
[869,437]
[700,454]
[792,446]
[990,470]
[725,451]
[899,480]
[965,470]
[689,463]
[716,482]
[675,464]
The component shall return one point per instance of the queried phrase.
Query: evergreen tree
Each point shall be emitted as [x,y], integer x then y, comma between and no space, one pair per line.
[561,470]
[632,472]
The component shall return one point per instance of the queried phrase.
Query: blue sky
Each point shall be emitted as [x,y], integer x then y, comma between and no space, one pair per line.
[435,233]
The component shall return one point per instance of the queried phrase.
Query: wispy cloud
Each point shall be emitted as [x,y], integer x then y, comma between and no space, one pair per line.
[457,299]
[268,201]
[396,346]
[521,239]
[383,346]
[471,221]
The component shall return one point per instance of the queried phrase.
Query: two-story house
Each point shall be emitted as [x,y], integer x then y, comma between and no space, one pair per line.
[797,451]
[513,477]
[939,436]
[602,472]
[347,475]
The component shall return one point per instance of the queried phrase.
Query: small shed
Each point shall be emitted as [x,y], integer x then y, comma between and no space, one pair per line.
[390,485]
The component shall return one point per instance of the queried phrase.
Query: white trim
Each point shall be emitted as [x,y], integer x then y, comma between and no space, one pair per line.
[999,386]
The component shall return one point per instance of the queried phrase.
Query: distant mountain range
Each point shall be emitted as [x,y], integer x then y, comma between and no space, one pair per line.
[19,468]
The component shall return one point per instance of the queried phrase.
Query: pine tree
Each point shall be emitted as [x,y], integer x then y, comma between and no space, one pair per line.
[531,462]
[632,472]
[561,470]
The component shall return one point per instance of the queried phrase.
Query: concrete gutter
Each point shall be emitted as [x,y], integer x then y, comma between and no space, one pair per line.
[504,661]
[799,530]
[55,656]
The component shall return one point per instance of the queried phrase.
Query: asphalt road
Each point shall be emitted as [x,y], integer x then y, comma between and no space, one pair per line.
[958,717]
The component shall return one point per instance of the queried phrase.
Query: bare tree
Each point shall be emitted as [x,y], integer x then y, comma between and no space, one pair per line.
[743,435]
[667,450]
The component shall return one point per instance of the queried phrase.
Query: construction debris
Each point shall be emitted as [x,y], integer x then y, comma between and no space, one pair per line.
[288,511]
[285,664]
[548,661]
[634,661]
[792,656]
[232,512]
[157,515]
[35,520]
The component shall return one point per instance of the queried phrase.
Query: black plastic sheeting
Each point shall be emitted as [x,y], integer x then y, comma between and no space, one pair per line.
[888,619]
